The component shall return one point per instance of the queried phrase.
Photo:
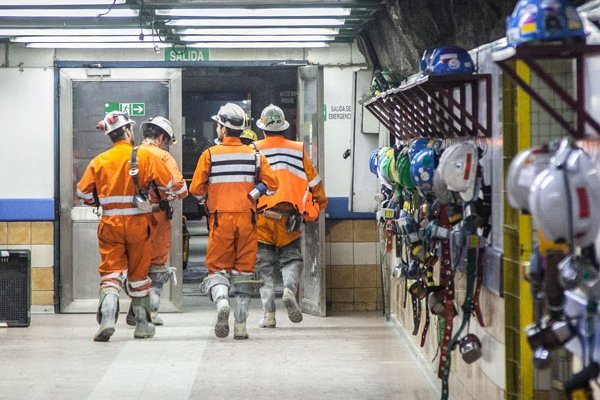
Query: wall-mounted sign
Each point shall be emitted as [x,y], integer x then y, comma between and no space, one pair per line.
[133,109]
[337,112]
[287,98]
[186,55]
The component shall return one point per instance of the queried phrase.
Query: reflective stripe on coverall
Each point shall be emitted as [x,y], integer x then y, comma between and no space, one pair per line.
[225,174]
[295,173]
[124,230]
[161,225]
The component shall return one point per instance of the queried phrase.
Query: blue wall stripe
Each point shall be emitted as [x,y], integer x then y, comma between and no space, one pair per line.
[26,209]
[337,208]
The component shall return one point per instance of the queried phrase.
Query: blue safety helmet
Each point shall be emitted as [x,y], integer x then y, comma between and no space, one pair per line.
[544,20]
[420,144]
[449,60]
[422,169]
[373,161]
[424,61]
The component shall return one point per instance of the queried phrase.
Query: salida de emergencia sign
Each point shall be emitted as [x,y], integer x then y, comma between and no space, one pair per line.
[186,55]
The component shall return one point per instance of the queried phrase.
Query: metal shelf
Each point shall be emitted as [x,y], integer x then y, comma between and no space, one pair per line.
[530,54]
[435,106]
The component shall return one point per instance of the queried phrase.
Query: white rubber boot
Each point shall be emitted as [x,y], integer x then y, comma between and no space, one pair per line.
[222,325]
[239,331]
[107,315]
[155,305]
[143,327]
[289,301]
[268,321]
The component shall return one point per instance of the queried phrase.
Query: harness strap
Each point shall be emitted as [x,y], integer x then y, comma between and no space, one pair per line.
[447,283]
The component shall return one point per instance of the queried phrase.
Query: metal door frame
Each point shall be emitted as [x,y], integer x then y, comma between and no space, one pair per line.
[64,142]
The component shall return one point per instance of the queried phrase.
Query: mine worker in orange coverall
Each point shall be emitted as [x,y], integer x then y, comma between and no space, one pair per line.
[117,180]
[300,197]
[225,177]
[158,135]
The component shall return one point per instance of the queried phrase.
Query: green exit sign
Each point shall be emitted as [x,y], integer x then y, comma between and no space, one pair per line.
[133,109]
[186,55]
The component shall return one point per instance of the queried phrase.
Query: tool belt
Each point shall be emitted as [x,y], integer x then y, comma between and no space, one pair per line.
[277,214]
[294,219]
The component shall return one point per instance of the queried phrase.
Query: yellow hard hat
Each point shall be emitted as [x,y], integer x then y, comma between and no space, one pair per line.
[249,134]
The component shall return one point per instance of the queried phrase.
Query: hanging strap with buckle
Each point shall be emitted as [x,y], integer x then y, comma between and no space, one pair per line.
[447,283]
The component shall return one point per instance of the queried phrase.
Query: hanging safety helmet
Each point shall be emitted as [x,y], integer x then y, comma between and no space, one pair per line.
[422,169]
[544,20]
[564,198]
[272,119]
[160,122]
[417,145]
[232,116]
[425,59]
[450,60]
[373,161]
[385,154]
[522,171]
[458,169]
[113,121]
[403,167]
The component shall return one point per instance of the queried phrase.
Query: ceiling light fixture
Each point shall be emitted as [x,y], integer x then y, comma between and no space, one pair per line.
[59,2]
[12,32]
[305,38]
[257,22]
[66,13]
[258,45]
[132,45]
[80,39]
[255,12]
[258,31]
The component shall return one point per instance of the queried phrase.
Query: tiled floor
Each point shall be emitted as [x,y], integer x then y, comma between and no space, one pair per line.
[348,356]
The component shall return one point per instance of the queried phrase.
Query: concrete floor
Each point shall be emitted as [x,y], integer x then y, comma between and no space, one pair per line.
[347,356]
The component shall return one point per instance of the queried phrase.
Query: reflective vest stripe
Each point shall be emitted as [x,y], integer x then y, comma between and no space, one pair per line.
[138,284]
[122,211]
[274,159]
[315,181]
[139,293]
[169,185]
[283,152]
[232,162]
[116,199]
[184,188]
[290,168]
[86,196]
[238,157]
[242,169]
[231,178]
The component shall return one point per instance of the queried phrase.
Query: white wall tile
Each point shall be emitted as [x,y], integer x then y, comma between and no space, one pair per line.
[42,255]
[365,253]
[342,254]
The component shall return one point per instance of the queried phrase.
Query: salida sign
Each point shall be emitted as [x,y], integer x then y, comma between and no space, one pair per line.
[186,55]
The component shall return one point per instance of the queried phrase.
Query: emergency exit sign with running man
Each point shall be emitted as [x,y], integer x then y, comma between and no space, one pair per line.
[133,109]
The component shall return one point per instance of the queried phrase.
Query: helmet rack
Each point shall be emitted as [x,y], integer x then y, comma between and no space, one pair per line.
[530,54]
[436,106]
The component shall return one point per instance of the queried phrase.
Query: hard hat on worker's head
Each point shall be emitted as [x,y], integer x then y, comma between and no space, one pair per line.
[113,121]
[458,169]
[272,119]
[564,197]
[232,116]
[161,123]
[248,136]
[544,20]
[522,171]
[450,60]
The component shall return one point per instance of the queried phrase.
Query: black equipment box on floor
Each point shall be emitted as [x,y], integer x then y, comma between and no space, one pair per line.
[15,292]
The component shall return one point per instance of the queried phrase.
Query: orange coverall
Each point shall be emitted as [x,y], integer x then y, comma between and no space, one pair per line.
[296,174]
[124,230]
[226,174]
[160,237]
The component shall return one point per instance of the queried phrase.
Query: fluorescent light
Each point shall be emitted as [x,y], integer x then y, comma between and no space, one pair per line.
[12,32]
[264,45]
[58,2]
[258,31]
[132,45]
[305,38]
[66,12]
[257,22]
[256,12]
[80,39]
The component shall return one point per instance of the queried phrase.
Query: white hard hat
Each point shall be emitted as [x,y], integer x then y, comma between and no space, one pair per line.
[522,171]
[163,124]
[458,169]
[566,195]
[113,121]
[272,119]
[232,116]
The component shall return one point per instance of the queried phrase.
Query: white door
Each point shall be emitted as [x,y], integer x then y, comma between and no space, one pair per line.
[310,126]
[85,96]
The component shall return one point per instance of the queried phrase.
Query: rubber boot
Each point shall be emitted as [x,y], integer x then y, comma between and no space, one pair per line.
[268,321]
[222,325]
[289,301]
[143,327]
[239,331]
[107,315]
[155,304]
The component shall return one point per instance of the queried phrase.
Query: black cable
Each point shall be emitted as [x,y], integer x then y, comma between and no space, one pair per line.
[109,9]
